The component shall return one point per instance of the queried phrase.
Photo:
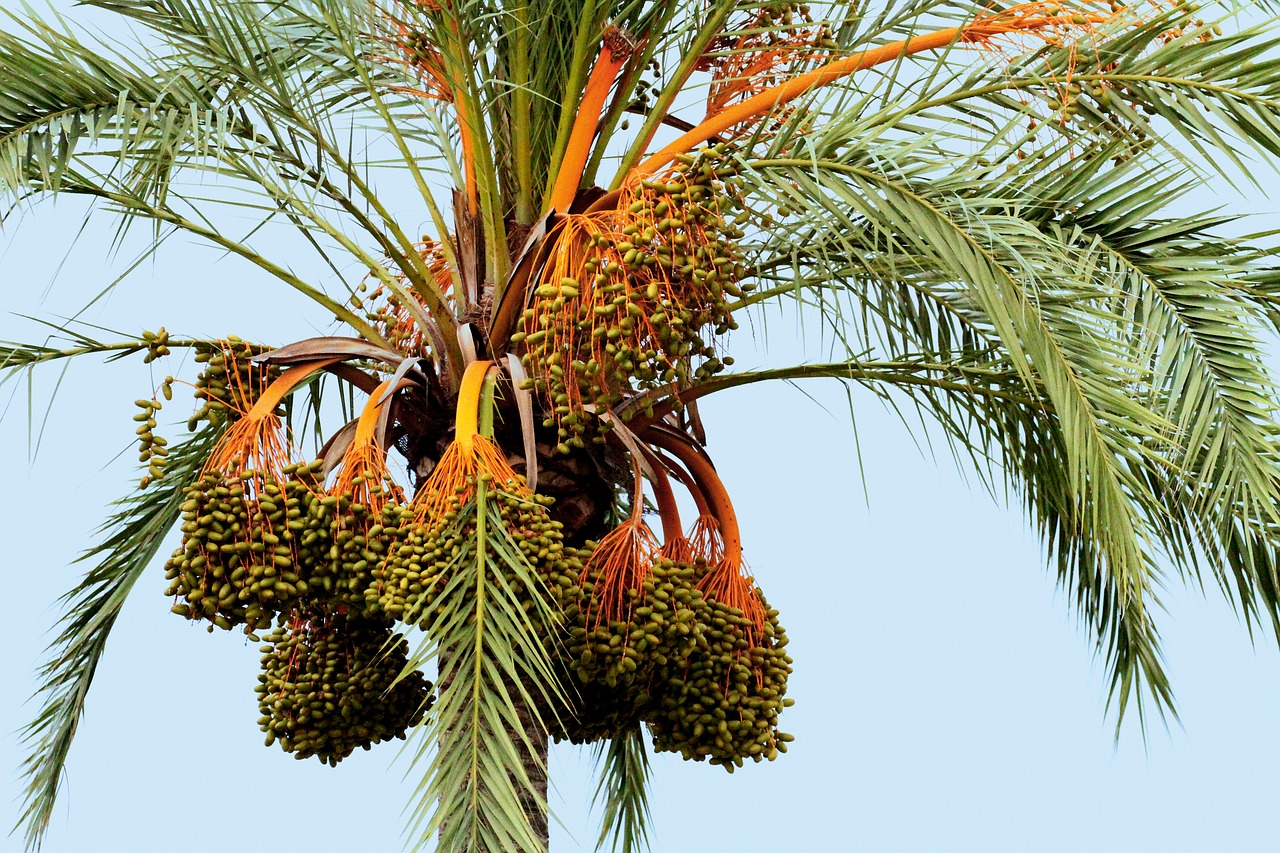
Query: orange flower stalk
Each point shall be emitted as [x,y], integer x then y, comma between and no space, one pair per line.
[613,55]
[1028,18]
[727,580]
[363,475]
[704,539]
[256,442]
[622,561]
[675,546]
[469,456]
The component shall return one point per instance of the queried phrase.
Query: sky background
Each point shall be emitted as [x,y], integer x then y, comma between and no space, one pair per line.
[946,698]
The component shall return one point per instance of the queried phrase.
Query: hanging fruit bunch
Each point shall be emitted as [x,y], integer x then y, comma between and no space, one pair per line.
[331,682]
[629,297]
[334,553]
[532,372]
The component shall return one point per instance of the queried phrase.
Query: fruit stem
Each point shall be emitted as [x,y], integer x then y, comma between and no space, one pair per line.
[466,423]
[1024,18]
[710,484]
[668,511]
[613,55]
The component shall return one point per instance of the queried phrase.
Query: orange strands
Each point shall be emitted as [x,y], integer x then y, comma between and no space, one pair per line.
[256,443]
[418,54]
[642,277]
[363,477]
[243,385]
[392,318]
[453,479]
[1026,18]
[468,457]
[727,580]
[704,539]
[757,54]
[616,49]
[621,562]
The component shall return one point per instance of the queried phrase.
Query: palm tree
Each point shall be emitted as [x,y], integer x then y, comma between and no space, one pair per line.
[969,204]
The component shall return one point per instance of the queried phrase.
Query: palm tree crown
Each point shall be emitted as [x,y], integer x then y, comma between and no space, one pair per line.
[970,203]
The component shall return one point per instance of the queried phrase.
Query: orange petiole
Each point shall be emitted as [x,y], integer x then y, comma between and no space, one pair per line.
[726,580]
[674,544]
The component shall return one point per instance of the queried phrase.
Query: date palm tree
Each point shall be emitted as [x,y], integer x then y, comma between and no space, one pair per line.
[969,204]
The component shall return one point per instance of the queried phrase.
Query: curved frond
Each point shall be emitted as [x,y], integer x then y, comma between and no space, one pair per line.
[624,792]
[1144,369]
[133,535]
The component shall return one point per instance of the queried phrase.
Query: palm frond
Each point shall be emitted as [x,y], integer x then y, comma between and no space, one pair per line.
[168,115]
[495,675]
[623,792]
[1029,297]
[133,535]
[15,357]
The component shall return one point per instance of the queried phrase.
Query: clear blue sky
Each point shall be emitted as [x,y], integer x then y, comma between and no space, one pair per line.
[946,698]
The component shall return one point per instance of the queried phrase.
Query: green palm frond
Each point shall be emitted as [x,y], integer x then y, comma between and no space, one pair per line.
[1057,333]
[130,129]
[133,535]
[16,357]
[623,792]
[1135,333]
[495,674]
